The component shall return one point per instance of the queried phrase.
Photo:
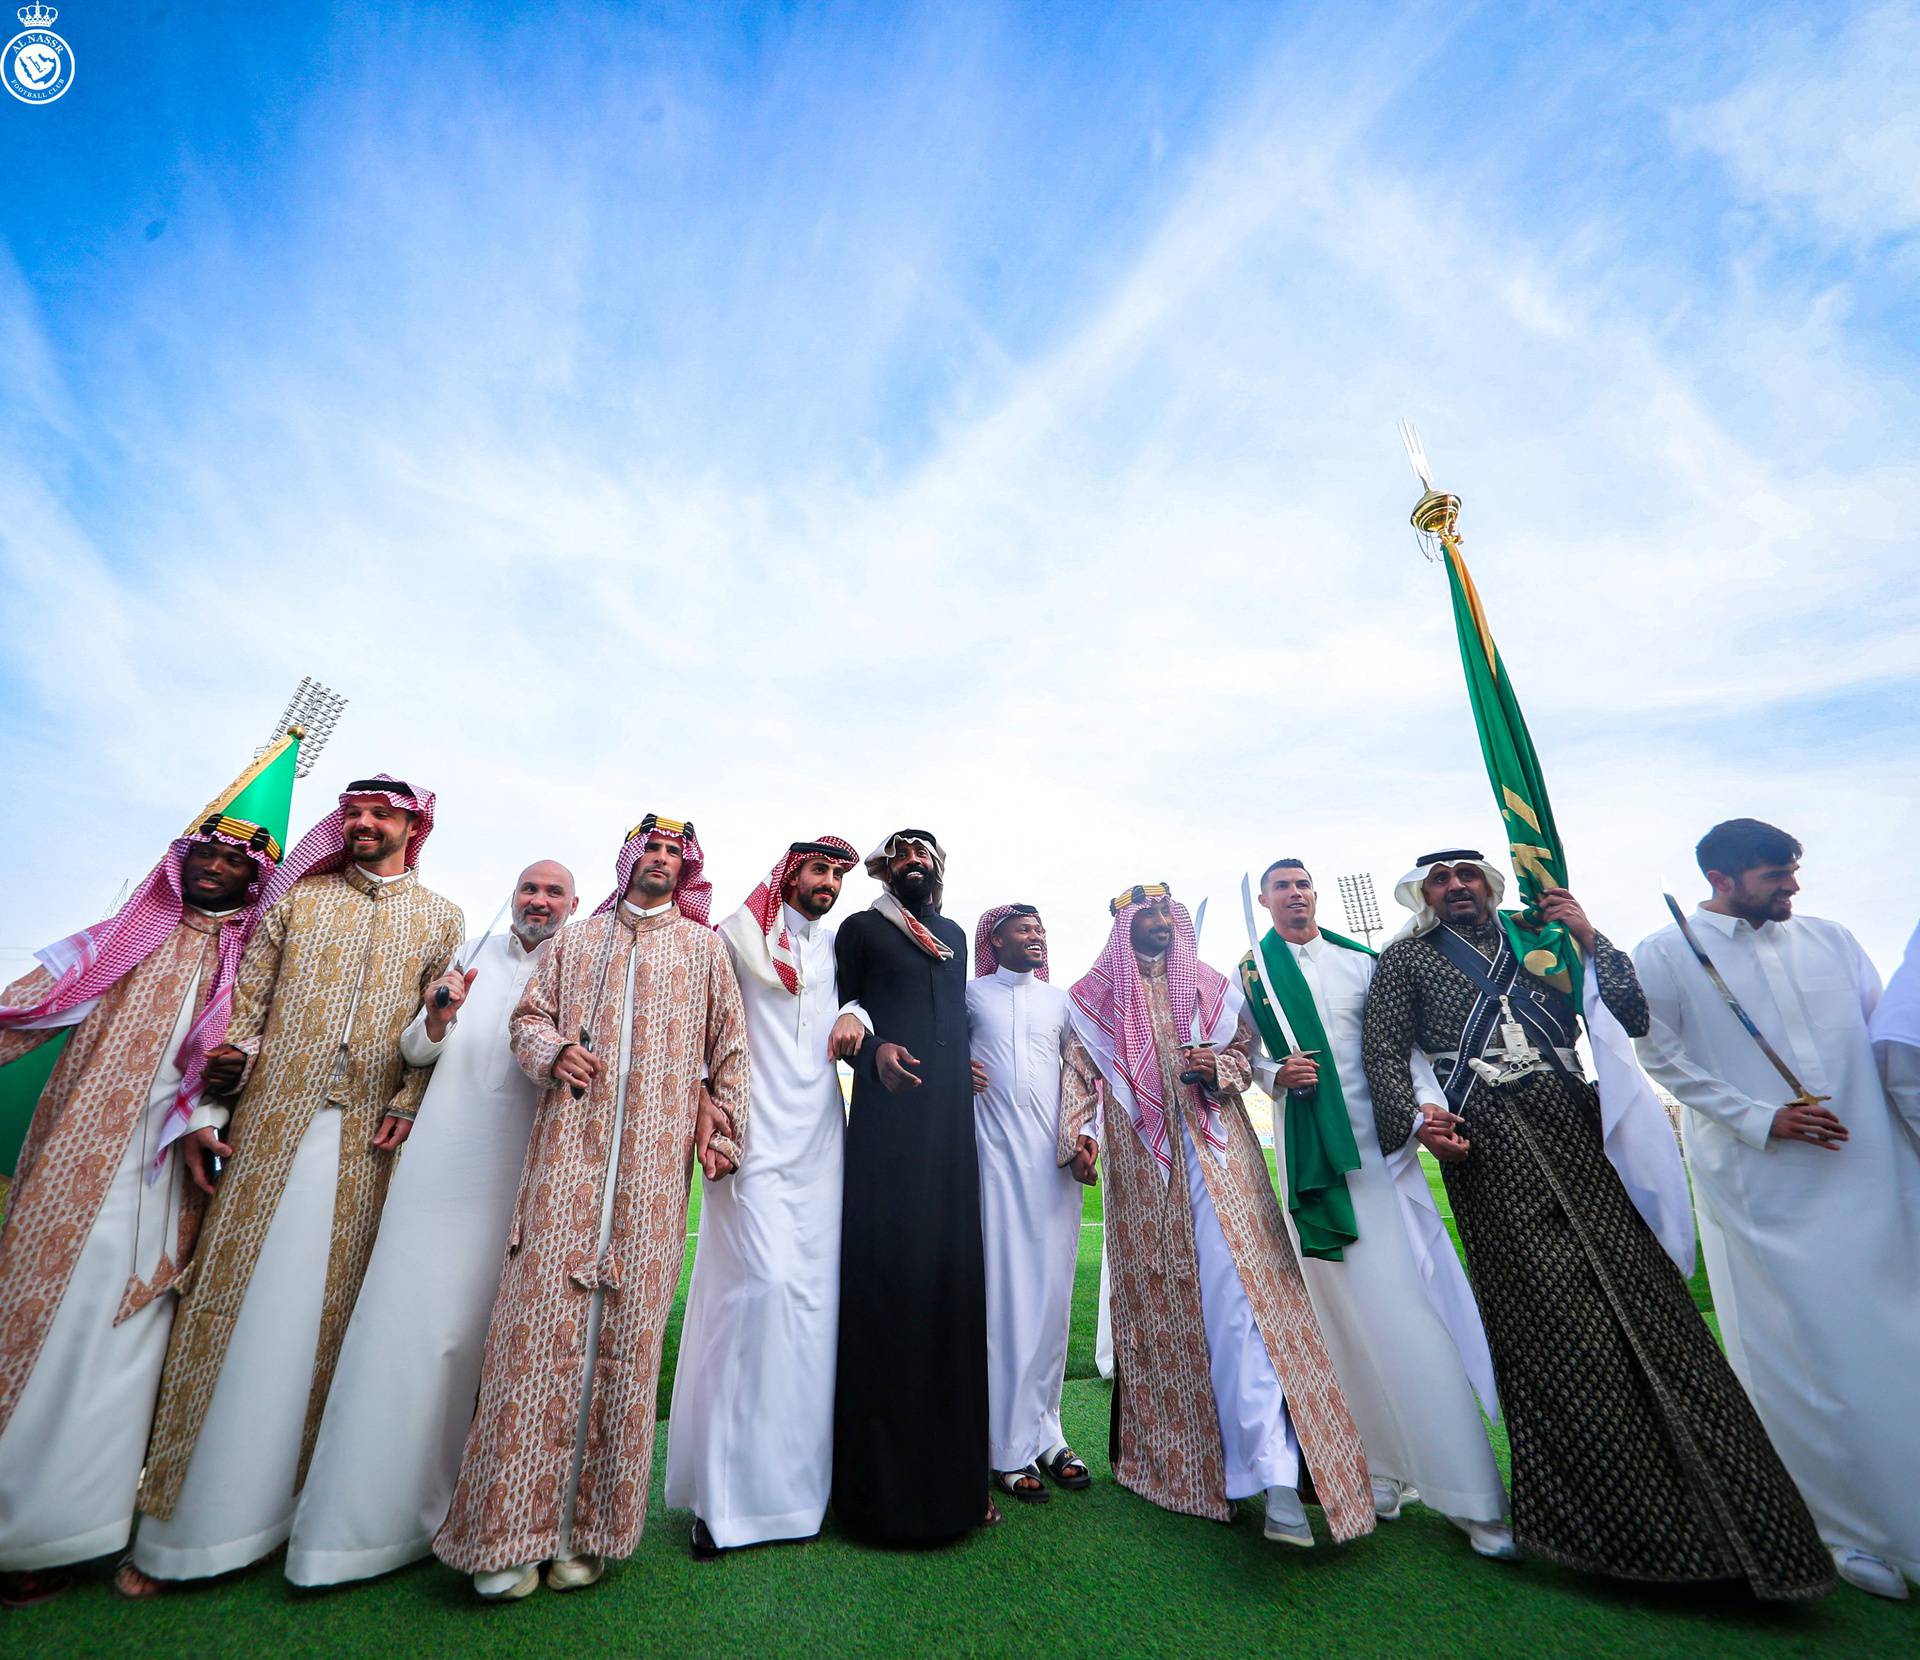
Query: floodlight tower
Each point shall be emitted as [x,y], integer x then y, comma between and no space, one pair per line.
[314,709]
[1363,910]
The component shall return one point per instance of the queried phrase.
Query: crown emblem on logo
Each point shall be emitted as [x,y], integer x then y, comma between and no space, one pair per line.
[37,16]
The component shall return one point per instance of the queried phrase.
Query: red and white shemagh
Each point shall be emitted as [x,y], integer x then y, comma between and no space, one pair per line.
[985,958]
[888,904]
[324,848]
[90,963]
[1112,996]
[693,893]
[767,903]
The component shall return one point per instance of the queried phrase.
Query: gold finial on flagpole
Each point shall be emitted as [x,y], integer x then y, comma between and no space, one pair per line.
[1435,514]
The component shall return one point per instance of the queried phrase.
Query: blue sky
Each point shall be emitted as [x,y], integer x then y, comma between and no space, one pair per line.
[822,418]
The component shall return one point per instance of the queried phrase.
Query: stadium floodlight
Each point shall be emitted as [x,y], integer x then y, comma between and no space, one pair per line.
[314,709]
[1363,910]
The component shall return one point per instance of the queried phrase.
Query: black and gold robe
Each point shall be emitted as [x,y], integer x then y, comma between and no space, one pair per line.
[1635,1451]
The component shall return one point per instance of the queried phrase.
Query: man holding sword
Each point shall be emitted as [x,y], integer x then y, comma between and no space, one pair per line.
[1807,1184]
[373,1503]
[1394,1305]
[1223,1389]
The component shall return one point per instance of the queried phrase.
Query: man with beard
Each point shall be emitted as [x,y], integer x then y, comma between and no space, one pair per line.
[1809,1207]
[1029,1206]
[910,1398]
[750,1432]
[1222,1388]
[615,1027]
[374,1501]
[108,1190]
[1635,1452]
[1394,1307]
[349,943]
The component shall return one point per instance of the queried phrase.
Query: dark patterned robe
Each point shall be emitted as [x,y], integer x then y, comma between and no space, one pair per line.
[1635,1451]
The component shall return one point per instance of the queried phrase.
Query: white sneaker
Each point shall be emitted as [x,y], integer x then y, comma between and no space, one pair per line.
[1287,1518]
[1493,1540]
[509,1584]
[575,1573]
[1387,1494]
[1867,1572]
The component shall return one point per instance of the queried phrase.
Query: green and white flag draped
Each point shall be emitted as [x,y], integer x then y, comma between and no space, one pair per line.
[1320,1148]
[1519,790]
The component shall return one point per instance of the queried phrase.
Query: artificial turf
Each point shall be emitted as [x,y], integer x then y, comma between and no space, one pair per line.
[1099,1572]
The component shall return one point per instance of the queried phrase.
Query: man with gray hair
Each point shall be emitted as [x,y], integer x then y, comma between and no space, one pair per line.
[410,1362]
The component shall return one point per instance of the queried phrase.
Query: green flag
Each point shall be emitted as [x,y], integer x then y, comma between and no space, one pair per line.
[262,795]
[1519,791]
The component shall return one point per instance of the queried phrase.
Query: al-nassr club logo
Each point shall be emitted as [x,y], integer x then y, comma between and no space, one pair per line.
[37,64]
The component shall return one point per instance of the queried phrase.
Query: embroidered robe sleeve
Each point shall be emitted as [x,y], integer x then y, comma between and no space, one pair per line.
[1233,1063]
[1081,1101]
[414,1079]
[534,1031]
[726,1052]
[27,990]
[253,984]
[1387,1037]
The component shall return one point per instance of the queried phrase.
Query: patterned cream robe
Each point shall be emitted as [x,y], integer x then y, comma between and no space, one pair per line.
[89,1255]
[343,960]
[598,1236]
[1167,1445]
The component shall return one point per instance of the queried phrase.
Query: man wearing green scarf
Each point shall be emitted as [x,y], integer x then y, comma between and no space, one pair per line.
[1394,1305]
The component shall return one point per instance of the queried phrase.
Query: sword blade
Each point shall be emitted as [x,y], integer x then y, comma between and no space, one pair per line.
[1800,1091]
[1260,967]
[440,997]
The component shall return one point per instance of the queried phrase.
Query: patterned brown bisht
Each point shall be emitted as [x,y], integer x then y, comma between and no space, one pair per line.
[1167,1445]
[536,1382]
[343,958]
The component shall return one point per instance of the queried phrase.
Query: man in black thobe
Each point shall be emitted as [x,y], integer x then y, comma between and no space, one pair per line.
[910,1397]
[1635,1452]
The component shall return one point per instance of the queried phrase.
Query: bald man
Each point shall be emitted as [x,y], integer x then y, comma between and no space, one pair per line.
[389,1448]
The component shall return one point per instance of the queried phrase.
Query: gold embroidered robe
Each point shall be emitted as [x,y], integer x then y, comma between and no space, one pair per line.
[1167,1441]
[686,1014]
[92,1103]
[343,958]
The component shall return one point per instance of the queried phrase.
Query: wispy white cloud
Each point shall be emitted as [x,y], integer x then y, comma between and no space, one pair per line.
[609,469]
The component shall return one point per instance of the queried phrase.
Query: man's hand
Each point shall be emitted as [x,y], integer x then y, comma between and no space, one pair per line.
[1558,905]
[847,1036]
[456,985]
[1808,1121]
[979,1077]
[709,1120]
[1086,1160]
[577,1066]
[895,1064]
[198,1150]
[1197,1057]
[1298,1071]
[393,1130]
[1442,1134]
[224,1067]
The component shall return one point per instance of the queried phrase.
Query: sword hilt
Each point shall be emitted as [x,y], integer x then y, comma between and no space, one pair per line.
[586,1043]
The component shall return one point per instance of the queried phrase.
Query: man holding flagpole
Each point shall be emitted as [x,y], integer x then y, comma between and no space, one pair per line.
[1396,1312]
[107,1197]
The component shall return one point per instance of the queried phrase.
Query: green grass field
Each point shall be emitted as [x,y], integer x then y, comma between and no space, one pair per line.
[1099,1572]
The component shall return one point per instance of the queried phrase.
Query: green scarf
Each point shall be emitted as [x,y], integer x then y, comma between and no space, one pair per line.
[1319,1136]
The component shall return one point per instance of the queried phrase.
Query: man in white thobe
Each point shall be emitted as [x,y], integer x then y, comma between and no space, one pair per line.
[1017,1031]
[411,1358]
[1809,1210]
[1895,1030]
[750,1429]
[1393,1301]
